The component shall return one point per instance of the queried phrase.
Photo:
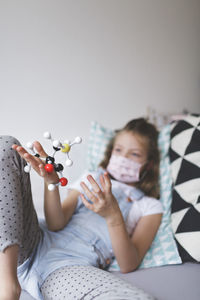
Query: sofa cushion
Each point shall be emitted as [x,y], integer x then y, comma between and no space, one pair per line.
[185,166]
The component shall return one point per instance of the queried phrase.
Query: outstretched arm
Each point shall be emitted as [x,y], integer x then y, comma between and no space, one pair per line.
[129,251]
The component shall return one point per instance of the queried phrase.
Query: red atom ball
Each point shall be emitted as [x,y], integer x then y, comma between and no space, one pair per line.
[49,168]
[63,181]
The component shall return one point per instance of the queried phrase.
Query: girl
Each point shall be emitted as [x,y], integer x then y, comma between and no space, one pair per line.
[113,213]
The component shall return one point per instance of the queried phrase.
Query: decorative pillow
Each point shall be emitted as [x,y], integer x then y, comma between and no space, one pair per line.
[98,140]
[163,250]
[185,166]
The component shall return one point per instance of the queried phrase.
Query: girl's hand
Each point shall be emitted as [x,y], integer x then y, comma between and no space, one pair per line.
[36,163]
[103,201]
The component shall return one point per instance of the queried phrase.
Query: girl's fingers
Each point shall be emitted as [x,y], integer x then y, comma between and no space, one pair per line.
[86,203]
[34,161]
[102,181]
[25,155]
[37,146]
[107,182]
[87,191]
[40,149]
[19,149]
[14,146]
[95,186]
[42,170]
[31,160]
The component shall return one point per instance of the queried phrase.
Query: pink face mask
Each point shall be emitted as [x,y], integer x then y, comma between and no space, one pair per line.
[124,169]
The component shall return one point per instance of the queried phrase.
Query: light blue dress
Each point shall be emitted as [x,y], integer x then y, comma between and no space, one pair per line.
[84,241]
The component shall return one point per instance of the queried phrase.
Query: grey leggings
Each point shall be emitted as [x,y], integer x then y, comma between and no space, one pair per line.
[18,220]
[19,225]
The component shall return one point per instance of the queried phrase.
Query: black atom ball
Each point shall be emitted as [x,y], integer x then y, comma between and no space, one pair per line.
[50,160]
[58,167]
[56,149]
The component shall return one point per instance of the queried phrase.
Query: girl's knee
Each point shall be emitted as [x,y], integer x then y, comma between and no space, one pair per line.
[7,154]
[8,141]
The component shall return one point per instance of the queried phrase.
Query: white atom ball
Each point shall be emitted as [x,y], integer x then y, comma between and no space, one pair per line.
[29,145]
[78,139]
[47,135]
[27,168]
[69,163]
[56,143]
[51,187]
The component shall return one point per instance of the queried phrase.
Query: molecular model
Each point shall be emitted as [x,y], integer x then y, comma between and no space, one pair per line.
[50,164]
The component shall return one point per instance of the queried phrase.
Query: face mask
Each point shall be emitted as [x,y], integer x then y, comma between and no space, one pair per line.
[124,169]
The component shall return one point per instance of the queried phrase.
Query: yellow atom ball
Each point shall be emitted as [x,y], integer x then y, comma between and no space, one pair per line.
[66,148]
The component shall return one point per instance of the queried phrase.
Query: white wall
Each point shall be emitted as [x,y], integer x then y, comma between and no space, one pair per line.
[64,63]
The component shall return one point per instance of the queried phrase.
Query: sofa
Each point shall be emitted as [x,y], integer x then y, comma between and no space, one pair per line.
[170,270]
[172,282]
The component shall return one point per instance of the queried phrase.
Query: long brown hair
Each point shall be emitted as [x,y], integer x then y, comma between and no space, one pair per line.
[150,172]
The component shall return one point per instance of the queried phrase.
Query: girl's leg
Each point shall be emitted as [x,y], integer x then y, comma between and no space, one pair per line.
[18,220]
[9,285]
[87,283]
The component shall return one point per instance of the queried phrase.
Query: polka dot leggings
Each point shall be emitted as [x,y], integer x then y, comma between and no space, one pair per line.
[19,225]
[86,283]
[18,220]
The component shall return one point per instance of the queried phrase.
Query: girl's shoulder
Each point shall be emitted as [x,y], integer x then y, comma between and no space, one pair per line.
[149,205]
[140,208]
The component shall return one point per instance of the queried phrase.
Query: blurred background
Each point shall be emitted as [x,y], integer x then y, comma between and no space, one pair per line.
[65,63]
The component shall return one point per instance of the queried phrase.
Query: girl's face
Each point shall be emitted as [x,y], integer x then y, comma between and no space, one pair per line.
[131,146]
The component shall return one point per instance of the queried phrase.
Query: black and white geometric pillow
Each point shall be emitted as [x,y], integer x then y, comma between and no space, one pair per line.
[184,156]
